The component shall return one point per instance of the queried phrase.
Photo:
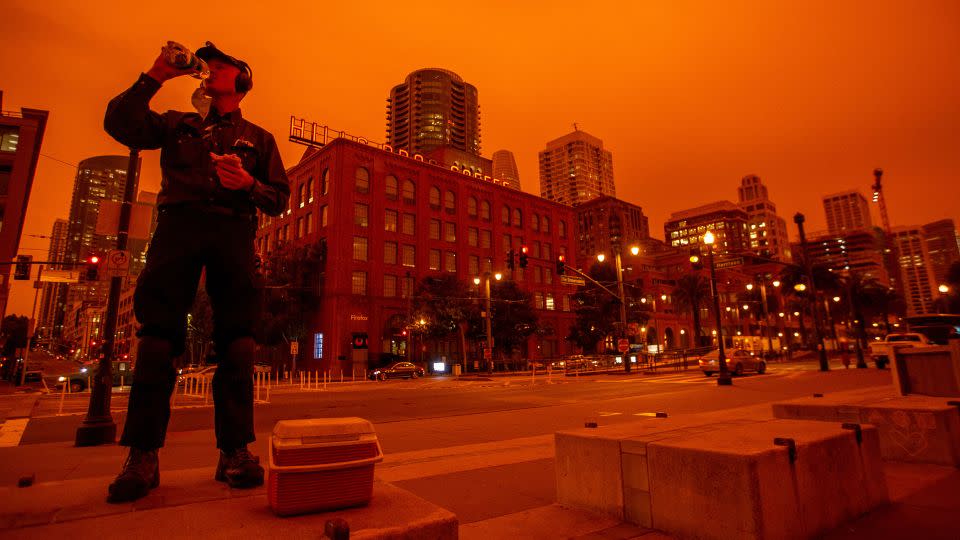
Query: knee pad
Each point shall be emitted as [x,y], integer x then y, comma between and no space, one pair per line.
[154,360]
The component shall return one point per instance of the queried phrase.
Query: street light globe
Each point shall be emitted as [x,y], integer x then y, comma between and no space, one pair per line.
[709,238]
[776,283]
[749,286]
[476,281]
[836,298]
[663,297]
[601,257]
[739,333]
[422,322]
[635,250]
[796,313]
[796,334]
[498,276]
[728,308]
[714,332]
[943,289]
[682,331]
[781,314]
[779,334]
[643,300]
[746,307]
[800,287]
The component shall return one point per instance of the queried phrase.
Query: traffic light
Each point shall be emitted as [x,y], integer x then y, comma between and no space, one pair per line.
[523,256]
[561,265]
[510,261]
[92,268]
[22,269]
[696,261]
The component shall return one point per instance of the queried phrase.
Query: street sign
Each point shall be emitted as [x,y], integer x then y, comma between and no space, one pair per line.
[60,276]
[572,280]
[294,348]
[487,354]
[117,263]
[633,329]
[623,345]
[729,263]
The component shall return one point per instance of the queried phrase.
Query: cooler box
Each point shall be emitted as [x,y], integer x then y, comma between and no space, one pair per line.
[321,464]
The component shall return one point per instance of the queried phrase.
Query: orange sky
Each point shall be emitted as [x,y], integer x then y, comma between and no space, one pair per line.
[689,96]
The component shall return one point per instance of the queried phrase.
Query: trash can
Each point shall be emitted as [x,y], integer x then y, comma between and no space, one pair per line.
[456,370]
[321,464]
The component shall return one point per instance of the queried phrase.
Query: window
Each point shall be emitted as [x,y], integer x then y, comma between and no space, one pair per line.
[506,243]
[473,237]
[310,189]
[389,286]
[535,252]
[535,222]
[517,218]
[505,215]
[323,216]
[409,225]
[301,195]
[391,188]
[325,182]
[545,225]
[390,253]
[485,210]
[360,248]
[359,283]
[450,262]
[537,274]
[434,197]
[361,215]
[390,220]
[433,263]
[408,256]
[409,192]
[566,303]
[362,180]
[310,223]
[548,276]
[562,228]
[318,346]
[299,227]
[434,229]
[472,206]
[546,251]
[488,264]
[473,265]
[449,202]
[538,300]
[549,302]
[450,232]
[485,239]
[407,290]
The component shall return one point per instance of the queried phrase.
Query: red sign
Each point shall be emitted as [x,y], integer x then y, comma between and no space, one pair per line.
[486,354]
[623,345]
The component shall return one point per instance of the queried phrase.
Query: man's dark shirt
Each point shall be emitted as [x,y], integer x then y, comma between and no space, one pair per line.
[185,141]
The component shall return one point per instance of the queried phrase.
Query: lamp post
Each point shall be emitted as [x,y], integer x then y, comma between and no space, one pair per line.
[808,269]
[724,376]
[487,314]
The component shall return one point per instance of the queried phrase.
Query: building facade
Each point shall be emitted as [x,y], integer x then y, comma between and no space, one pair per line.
[859,251]
[575,168]
[53,294]
[726,220]
[846,211]
[21,134]
[916,271]
[433,108]
[505,168]
[766,231]
[605,224]
[384,222]
[943,245]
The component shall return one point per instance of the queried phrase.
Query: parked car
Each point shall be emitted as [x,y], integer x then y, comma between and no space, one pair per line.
[738,362]
[397,370]
[881,351]
[77,381]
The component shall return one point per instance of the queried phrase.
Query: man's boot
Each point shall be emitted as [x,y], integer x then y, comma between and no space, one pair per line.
[239,469]
[140,474]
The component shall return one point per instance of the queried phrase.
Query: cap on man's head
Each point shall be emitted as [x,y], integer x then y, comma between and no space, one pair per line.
[210,51]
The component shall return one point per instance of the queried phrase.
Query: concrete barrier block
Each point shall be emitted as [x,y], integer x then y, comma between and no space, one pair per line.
[735,483]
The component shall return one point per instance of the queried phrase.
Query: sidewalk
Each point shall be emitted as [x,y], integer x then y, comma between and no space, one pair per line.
[499,489]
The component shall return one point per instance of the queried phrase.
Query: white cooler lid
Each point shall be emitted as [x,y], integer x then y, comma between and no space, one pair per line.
[322,428]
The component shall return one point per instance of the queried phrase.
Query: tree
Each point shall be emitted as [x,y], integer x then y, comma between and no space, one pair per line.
[513,317]
[691,293]
[449,306]
[598,312]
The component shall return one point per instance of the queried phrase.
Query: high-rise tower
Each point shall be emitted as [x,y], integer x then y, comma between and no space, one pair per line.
[575,169]
[433,108]
[505,168]
[846,211]
[767,232]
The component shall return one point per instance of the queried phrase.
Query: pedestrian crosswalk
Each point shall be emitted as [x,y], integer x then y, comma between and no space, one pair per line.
[695,376]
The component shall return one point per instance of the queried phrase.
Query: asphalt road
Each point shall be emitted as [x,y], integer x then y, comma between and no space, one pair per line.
[498,408]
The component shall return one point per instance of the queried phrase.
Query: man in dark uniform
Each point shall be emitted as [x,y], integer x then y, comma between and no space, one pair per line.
[218,169]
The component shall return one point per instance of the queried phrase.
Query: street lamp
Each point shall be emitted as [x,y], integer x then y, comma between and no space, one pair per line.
[943,289]
[808,270]
[487,314]
[724,376]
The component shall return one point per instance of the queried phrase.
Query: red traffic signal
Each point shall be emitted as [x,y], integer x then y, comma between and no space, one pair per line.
[92,268]
[524,250]
[561,265]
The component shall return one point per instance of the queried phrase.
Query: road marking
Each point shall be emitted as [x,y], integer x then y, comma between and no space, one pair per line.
[608,413]
[12,431]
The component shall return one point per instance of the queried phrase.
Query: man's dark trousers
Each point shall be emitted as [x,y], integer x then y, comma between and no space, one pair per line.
[189,239]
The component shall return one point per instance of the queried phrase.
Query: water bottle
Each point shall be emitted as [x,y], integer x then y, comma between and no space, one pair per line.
[181,57]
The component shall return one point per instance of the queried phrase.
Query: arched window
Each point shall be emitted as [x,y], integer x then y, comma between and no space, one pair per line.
[545,225]
[362,180]
[391,188]
[505,215]
[449,202]
[409,191]
[472,206]
[434,197]
[517,218]
[562,228]
[535,222]
[485,210]
[325,182]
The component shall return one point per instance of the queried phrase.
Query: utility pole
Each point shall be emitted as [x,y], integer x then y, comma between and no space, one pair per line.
[98,427]
[808,270]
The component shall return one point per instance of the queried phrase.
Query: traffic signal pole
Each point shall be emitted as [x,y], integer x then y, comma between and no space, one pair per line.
[98,427]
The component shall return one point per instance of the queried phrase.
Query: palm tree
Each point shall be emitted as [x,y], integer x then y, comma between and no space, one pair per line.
[691,292]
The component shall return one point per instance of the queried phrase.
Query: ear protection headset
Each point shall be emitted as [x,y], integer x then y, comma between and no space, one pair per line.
[244,81]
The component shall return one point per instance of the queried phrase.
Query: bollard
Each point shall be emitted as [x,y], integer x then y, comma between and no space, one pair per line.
[336,529]
[63,395]
[256,383]
[341,374]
